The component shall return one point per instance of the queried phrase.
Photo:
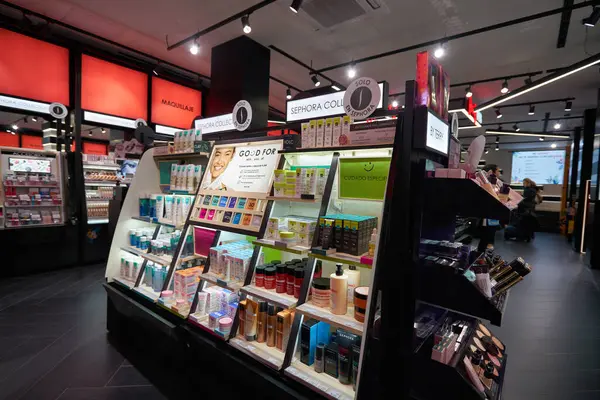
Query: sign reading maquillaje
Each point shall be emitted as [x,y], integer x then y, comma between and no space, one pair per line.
[363,178]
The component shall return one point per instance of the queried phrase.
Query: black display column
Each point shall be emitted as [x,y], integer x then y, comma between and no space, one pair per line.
[240,71]
[585,174]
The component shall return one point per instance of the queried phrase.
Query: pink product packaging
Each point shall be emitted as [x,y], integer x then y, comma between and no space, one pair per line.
[456,173]
[441,172]
[213,299]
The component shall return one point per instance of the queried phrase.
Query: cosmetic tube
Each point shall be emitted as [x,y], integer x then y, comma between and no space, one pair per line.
[271,323]
[280,317]
[262,322]
[242,317]
[320,358]
[251,320]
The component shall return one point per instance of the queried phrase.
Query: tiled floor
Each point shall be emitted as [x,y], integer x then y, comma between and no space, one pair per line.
[53,341]
[552,324]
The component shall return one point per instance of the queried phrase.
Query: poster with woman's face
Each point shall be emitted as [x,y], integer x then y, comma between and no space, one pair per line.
[242,168]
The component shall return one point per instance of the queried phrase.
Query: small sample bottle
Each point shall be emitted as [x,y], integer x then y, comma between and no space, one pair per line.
[353,281]
[373,243]
[339,291]
[259,276]
[320,358]
[281,279]
[270,278]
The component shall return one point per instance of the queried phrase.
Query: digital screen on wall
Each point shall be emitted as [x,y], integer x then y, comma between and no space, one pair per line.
[29,165]
[543,167]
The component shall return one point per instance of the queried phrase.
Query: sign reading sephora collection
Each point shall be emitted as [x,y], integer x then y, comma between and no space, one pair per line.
[321,106]
[220,123]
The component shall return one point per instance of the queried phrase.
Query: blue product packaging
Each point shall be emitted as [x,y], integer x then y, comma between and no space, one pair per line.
[148,275]
[223,201]
[308,341]
[232,201]
[323,334]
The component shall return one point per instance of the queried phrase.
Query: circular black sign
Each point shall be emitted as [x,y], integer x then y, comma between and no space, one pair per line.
[361,98]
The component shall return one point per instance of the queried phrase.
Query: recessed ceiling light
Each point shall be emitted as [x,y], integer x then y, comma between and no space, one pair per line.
[351,71]
[557,125]
[15,126]
[440,51]
[395,103]
[296,4]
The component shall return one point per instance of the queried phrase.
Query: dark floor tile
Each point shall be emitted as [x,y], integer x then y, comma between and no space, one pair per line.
[128,375]
[112,393]
[20,356]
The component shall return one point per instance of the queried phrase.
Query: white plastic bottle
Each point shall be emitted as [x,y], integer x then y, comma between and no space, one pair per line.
[373,243]
[353,281]
[189,176]
[339,291]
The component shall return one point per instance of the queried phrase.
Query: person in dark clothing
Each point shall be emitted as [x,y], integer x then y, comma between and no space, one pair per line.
[488,227]
[526,209]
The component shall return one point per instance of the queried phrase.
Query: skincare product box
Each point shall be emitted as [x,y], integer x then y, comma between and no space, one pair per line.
[320,133]
[336,131]
[328,136]
[308,341]
[305,134]
[312,133]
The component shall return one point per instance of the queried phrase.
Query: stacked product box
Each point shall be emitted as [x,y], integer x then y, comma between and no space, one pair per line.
[300,182]
[295,230]
[346,233]
[219,306]
[186,283]
[321,133]
[230,261]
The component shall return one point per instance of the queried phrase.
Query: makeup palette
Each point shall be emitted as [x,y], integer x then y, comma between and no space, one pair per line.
[490,346]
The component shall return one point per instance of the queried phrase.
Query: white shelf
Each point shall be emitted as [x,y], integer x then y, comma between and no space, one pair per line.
[346,322]
[124,282]
[211,278]
[97,221]
[202,322]
[322,383]
[297,249]
[147,292]
[150,221]
[33,205]
[33,226]
[51,185]
[106,184]
[279,299]
[270,356]
[150,257]
[107,167]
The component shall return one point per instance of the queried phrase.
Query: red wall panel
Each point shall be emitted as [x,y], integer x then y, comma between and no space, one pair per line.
[31,142]
[94,148]
[111,89]
[174,105]
[33,69]
[8,140]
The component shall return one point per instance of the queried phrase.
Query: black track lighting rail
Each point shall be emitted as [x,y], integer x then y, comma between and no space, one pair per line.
[499,78]
[538,102]
[285,84]
[530,120]
[473,32]
[308,67]
[220,24]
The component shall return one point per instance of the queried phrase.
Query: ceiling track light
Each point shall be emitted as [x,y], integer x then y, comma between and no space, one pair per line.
[352,71]
[395,103]
[103,130]
[497,147]
[498,113]
[553,145]
[335,87]
[504,89]
[468,92]
[295,6]
[541,138]
[34,119]
[592,20]
[487,150]
[315,80]
[440,50]
[568,105]
[516,128]
[246,24]
[528,80]
[288,93]
[557,126]
[194,48]
[531,110]
[15,126]
[497,139]
[154,72]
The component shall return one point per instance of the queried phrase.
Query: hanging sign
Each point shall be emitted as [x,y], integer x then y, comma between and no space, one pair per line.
[321,106]
[242,115]
[58,110]
[22,104]
[437,136]
[220,123]
[362,98]
[363,178]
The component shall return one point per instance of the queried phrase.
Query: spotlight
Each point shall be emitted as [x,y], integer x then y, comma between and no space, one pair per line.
[516,128]
[335,87]
[487,150]
[504,89]
[395,103]
[403,106]
[352,71]
[528,81]
[440,51]
[288,94]
[34,119]
[296,4]
[497,148]
[154,72]
[194,48]
[15,126]
[553,145]
[468,92]
[315,80]
[531,109]
[541,138]
[497,139]
[9,131]
[568,105]
[557,126]
[103,130]
[246,24]
[498,113]
[592,20]
[90,133]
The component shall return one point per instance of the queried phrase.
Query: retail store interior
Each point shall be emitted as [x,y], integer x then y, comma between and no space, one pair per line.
[299,199]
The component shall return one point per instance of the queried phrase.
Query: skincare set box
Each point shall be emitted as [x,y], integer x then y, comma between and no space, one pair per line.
[346,233]
[230,210]
[185,284]
[218,307]
[324,132]
[291,230]
[333,353]
[303,183]
[230,261]
[185,177]
[266,323]
[171,209]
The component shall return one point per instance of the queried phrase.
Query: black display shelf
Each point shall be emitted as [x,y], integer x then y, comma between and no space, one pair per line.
[446,287]
[461,197]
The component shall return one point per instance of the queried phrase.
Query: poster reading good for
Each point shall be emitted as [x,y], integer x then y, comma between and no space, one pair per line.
[242,167]
[363,178]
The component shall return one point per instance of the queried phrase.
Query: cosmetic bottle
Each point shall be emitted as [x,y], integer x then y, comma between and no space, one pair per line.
[259,276]
[320,358]
[488,376]
[355,360]
[482,278]
[280,317]
[271,322]
[251,322]
[373,243]
[298,279]
[308,339]
[344,364]
[280,278]
[262,322]
[331,359]
[353,281]
[290,279]
[270,278]
[242,317]
[339,291]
